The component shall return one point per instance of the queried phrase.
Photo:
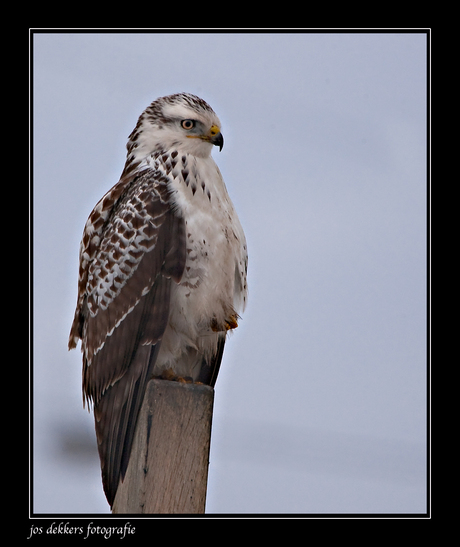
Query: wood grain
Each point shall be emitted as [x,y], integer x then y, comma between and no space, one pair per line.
[168,467]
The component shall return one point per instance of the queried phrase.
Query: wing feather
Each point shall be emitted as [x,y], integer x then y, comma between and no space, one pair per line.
[124,312]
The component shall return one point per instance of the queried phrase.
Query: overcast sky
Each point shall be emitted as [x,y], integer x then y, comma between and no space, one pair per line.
[320,405]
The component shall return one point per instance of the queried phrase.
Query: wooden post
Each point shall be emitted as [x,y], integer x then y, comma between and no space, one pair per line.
[168,466]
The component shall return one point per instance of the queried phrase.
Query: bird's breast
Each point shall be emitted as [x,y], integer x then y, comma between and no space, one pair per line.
[206,290]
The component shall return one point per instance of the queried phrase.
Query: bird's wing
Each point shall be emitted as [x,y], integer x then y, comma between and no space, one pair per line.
[124,312]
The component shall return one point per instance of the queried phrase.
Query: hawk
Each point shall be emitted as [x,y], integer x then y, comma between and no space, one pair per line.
[162,276]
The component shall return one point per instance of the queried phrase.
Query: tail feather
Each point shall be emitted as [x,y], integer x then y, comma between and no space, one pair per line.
[116,417]
[210,367]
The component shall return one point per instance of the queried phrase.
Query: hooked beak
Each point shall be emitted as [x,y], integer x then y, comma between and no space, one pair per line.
[215,137]
[217,140]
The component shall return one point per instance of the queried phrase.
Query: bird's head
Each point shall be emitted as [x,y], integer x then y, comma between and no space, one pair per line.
[182,121]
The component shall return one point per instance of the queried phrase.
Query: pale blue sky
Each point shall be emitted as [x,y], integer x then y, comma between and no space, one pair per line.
[321,401]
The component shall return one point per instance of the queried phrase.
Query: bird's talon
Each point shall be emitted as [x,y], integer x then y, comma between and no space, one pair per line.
[231,322]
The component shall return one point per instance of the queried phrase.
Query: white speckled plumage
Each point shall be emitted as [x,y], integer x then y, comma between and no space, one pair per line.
[162,277]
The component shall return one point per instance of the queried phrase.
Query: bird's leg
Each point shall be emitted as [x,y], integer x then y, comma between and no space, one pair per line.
[169,375]
[229,323]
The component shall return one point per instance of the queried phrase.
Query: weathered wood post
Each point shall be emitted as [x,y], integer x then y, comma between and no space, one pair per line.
[168,466]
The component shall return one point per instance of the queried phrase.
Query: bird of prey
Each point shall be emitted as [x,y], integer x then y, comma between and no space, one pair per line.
[162,276]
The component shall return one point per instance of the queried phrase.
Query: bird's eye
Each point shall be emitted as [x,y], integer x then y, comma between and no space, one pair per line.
[187,124]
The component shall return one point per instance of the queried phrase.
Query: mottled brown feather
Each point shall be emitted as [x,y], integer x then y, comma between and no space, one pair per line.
[133,250]
[125,313]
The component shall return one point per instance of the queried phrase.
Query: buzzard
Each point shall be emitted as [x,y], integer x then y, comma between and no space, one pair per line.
[162,276]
